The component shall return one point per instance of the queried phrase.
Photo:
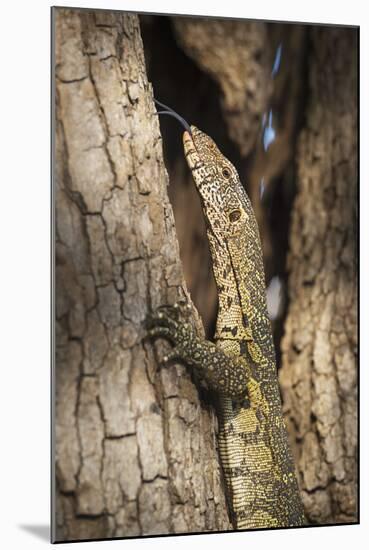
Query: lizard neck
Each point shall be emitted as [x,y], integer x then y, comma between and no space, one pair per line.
[239,275]
[232,320]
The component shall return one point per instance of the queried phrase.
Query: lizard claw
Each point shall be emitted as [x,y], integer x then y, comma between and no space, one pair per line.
[175,311]
[170,357]
[171,311]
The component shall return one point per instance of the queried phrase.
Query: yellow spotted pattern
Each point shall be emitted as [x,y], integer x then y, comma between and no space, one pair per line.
[257,463]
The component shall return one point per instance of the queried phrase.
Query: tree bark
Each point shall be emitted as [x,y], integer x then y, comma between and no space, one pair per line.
[233,52]
[318,374]
[135,449]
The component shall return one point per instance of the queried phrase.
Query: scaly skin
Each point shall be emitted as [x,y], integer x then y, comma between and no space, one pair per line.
[240,367]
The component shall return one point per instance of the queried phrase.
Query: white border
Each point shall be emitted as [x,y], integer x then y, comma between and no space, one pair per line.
[25,268]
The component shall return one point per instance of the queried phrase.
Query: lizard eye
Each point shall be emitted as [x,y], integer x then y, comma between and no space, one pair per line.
[226,173]
[234,215]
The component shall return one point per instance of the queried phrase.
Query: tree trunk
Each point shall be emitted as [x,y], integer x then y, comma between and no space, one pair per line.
[318,374]
[233,52]
[135,449]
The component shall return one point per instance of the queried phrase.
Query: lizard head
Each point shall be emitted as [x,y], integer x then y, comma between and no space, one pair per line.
[218,183]
[224,201]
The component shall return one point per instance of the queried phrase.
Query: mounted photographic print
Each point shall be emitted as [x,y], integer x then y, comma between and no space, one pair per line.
[205,182]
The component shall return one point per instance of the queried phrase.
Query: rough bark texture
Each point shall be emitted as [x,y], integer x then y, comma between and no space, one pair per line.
[135,446]
[318,375]
[234,54]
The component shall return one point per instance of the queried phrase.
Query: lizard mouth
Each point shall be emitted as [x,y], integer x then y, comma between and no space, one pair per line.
[195,164]
[191,153]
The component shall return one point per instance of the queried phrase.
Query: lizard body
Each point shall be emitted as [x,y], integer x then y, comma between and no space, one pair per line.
[240,366]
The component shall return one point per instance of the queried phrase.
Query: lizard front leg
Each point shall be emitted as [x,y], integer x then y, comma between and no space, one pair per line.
[224,374]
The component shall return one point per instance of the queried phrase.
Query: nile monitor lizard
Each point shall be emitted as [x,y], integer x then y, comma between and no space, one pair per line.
[240,366]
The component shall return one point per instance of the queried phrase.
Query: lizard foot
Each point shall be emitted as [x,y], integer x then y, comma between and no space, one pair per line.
[165,323]
[222,373]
